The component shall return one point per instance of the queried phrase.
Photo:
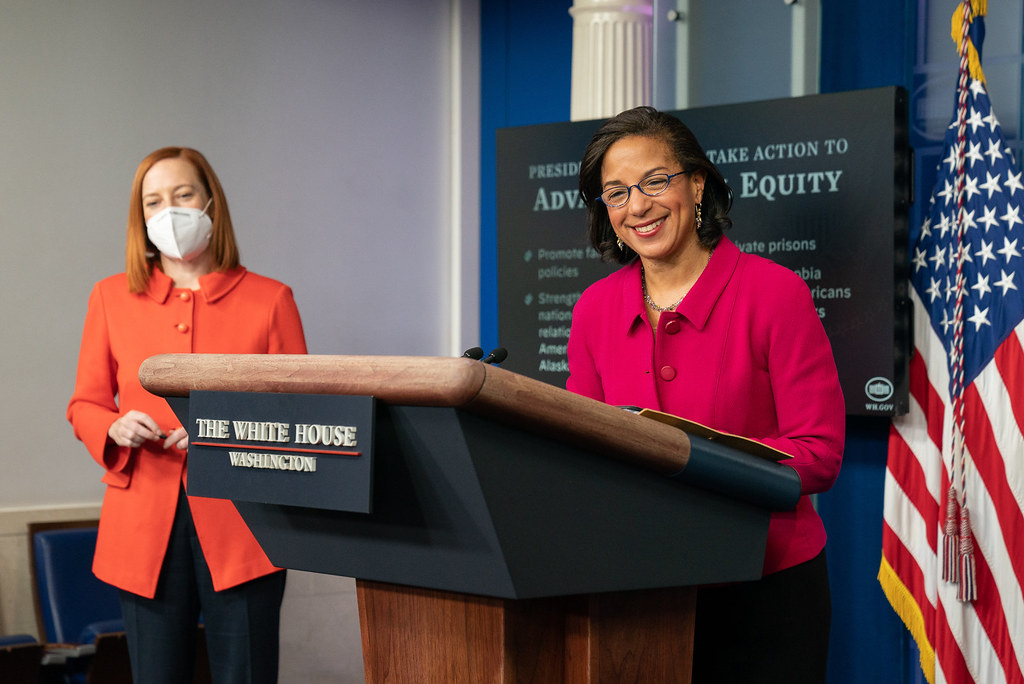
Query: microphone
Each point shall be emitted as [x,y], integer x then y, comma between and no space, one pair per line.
[497,355]
[473,353]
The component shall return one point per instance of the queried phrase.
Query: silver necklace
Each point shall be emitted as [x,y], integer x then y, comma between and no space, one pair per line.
[663,309]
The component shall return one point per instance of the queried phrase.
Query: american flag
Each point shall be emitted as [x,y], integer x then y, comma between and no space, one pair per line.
[979,640]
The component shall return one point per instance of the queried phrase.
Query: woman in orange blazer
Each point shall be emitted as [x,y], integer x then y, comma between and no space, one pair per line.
[171,555]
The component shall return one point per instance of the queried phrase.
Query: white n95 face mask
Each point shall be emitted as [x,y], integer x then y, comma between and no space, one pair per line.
[180,232]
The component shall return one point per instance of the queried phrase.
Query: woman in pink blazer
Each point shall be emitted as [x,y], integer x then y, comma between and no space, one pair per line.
[691,326]
[171,555]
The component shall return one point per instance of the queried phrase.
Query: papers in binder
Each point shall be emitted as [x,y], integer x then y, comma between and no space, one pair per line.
[744,444]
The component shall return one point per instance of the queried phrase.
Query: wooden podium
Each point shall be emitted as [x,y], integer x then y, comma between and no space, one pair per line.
[517,533]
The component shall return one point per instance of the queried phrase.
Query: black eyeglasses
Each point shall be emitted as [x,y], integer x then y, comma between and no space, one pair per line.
[652,186]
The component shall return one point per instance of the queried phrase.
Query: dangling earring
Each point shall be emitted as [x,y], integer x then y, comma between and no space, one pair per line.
[700,221]
[618,241]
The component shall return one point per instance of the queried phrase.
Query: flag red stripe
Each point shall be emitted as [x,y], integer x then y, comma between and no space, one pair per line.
[909,571]
[1009,358]
[927,398]
[906,470]
[989,609]
[947,652]
[988,463]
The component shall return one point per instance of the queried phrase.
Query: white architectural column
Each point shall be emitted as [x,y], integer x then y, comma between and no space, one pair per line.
[612,47]
[806,53]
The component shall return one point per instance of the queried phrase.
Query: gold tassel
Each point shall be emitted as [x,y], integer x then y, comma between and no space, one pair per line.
[979,8]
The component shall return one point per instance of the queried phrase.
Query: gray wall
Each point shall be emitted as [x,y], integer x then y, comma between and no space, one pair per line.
[346,135]
[330,125]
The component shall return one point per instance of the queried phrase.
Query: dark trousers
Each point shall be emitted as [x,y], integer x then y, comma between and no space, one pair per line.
[774,630]
[241,623]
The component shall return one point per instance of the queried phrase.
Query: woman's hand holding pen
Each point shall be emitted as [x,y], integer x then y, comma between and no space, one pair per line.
[178,438]
[136,427]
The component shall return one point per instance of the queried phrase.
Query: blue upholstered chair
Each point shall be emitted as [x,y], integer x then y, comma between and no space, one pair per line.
[75,606]
[79,615]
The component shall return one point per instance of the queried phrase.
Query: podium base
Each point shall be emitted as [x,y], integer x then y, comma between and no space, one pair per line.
[423,635]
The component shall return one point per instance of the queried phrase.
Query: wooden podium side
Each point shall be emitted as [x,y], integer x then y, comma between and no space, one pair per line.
[518,533]
[422,635]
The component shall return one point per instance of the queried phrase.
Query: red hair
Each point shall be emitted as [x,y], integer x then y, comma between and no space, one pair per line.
[141,254]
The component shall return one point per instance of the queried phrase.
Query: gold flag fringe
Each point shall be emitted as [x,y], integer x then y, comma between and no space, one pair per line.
[902,601]
[979,8]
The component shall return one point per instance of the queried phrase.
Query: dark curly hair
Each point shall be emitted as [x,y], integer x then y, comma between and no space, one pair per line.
[650,123]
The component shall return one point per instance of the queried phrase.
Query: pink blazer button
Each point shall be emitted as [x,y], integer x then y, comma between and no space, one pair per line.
[672,327]
[668,373]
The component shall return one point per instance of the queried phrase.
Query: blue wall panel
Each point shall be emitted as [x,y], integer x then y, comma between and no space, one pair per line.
[526,62]
[863,45]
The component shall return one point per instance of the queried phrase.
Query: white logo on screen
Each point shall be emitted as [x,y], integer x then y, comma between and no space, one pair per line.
[879,389]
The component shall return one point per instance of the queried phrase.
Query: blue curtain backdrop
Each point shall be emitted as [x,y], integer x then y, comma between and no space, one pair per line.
[864,45]
[526,63]
[526,54]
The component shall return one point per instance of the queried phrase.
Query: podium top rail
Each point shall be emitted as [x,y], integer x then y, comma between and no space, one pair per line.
[459,383]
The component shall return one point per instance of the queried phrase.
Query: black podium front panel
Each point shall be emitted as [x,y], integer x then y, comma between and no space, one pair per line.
[466,504]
